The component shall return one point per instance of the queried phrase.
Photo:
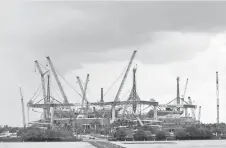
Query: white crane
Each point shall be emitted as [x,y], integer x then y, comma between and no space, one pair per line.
[121,85]
[199,116]
[22,104]
[185,89]
[46,111]
[192,109]
[84,91]
[57,80]
[217,95]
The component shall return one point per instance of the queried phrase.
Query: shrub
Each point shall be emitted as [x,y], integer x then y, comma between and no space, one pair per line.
[140,135]
[182,135]
[120,134]
[161,135]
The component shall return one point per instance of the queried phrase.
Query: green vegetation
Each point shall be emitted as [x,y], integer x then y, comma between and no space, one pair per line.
[195,132]
[160,135]
[140,133]
[37,134]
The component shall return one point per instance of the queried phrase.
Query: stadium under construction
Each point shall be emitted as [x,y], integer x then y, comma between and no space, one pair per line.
[170,116]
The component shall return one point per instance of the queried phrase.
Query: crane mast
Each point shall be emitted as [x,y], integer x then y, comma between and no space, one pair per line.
[185,88]
[199,116]
[22,104]
[58,81]
[183,98]
[84,91]
[217,93]
[81,87]
[192,109]
[46,111]
[122,84]
[125,76]
[178,91]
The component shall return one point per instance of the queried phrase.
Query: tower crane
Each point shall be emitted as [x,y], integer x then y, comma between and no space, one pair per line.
[84,91]
[121,85]
[46,111]
[57,80]
[22,104]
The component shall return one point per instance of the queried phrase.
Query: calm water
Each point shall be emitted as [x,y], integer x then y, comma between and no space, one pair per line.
[181,144]
[176,144]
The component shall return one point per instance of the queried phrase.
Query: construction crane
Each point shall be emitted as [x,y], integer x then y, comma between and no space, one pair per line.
[192,109]
[46,111]
[58,81]
[138,119]
[122,84]
[183,98]
[133,94]
[178,91]
[185,89]
[199,116]
[22,104]
[217,93]
[84,91]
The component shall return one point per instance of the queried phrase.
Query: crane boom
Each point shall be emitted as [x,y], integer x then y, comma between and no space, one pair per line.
[84,94]
[58,81]
[22,104]
[185,88]
[43,87]
[125,76]
[121,85]
[84,91]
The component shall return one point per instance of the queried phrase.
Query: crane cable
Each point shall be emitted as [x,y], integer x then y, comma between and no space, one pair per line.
[67,82]
[117,79]
[34,97]
[56,90]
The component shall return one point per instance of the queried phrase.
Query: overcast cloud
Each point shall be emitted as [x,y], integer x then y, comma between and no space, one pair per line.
[177,37]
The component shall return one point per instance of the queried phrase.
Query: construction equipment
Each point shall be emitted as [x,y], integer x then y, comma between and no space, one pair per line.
[45,110]
[84,92]
[133,94]
[185,89]
[192,109]
[217,93]
[57,80]
[178,92]
[22,104]
[121,85]
[183,98]
[199,116]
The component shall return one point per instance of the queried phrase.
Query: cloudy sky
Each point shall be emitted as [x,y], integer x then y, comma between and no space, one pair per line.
[185,39]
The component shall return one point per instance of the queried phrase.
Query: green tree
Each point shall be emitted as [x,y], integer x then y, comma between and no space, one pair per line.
[182,134]
[160,135]
[140,135]
[120,134]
